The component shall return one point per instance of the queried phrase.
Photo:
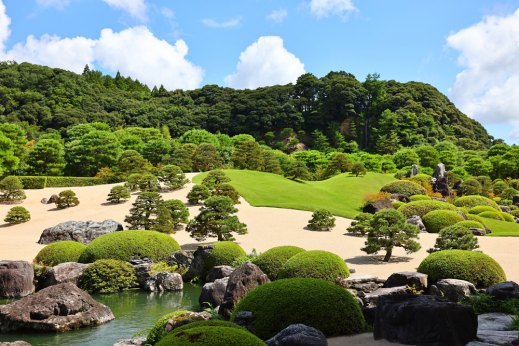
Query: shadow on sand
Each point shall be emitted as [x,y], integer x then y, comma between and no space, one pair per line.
[369,259]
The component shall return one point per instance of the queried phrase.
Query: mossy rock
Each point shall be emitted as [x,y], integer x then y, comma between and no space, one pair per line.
[315,303]
[315,264]
[507,217]
[481,208]
[404,187]
[123,245]
[436,220]
[471,224]
[209,323]
[476,218]
[420,198]
[155,333]
[422,208]
[224,253]
[471,266]
[271,261]
[515,213]
[422,177]
[60,252]
[474,201]
[491,215]
[397,204]
[211,336]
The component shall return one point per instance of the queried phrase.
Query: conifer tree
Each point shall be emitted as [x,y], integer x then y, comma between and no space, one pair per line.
[178,211]
[172,176]
[227,190]
[17,215]
[11,190]
[133,182]
[179,156]
[339,163]
[66,199]
[118,194]
[215,178]
[132,162]
[248,156]
[358,169]
[163,222]
[270,162]
[198,193]
[206,158]
[148,182]
[298,171]
[145,210]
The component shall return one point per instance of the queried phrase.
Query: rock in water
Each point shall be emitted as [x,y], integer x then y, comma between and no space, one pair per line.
[64,272]
[197,264]
[80,231]
[379,205]
[16,279]
[164,281]
[15,343]
[298,335]
[55,308]
[213,293]
[414,170]
[131,342]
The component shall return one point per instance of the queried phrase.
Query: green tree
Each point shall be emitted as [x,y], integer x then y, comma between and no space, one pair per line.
[46,158]
[11,190]
[198,193]
[199,137]
[143,214]
[270,162]
[339,163]
[388,144]
[178,211]
[215,178]
[361,225]
[248,156]
[155,150]
[118,194]
[287,132]
[477,166]
[269,136]
[66,199]
[320,141]
[148,182]
[455,237]
[227,190]
[429,157]
[405,157]
[8,161]
[216,220]
[322,220]
[449,158]
[180,156]
[17,215]
[470,187]
[17,135]
[131,142]
[239,139]
[509,193]
[163,222]
[206,158]
[133,182]
[132,162]
[358,169]
[298,171]
[172,176]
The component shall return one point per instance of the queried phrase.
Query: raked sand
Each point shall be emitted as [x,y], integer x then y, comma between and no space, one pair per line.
[267,228]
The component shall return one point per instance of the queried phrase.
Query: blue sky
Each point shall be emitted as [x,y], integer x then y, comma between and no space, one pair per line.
[469,50]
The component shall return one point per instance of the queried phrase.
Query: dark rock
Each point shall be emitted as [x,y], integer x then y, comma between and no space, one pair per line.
[417,221]
[418,280]
[298,335]
[352,271]
[131,342]
[143,270]
[457,184]
[197,263]
[369,315]
[414,170]
[183,258]
[465,217]
[515,200]
[439,171]
[137,261]
[245,319]
[505,209]
[424,320]
[504,290]
[52,199]
[453,289]
[55,308]
[15,343]
[441,185]
[219,272]
[516,341]
[164,281]
[213,293]
[354,279]
[243,280]
[479,232]
[367,287]
[80,231]
[370,300]
[379,205]
[64,272]
[401,197]
[487,230]
[16,279]
[494,321]
[44,201]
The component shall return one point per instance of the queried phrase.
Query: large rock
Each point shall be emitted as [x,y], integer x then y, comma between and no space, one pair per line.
[418,280]
[505,209]
[43,201]
[515,200]
[143,270]
[371,300]
[457,184]
[16,279]
[439,171]
[453,289]
[197,263]
[15,343]
[183,258]
[478,232]
[219,272]
[243,280]
[245,319]
[379,205]
[504,290]
[494,321]
[80,231]
[355,279]
[213,293]
[55,308]
[414,170]
[441,185]
[64,272]
[463,215]
[497,337]
[164,281]
[131,342]
[52,199]
[298,335]
[401,197]
[417,221]
[186,318]
[424,320]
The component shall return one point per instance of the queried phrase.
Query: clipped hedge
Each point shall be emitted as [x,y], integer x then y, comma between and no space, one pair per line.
[474,201]
[464,210]
[123,245]
[422,208]
[155,332]
[209,323]
[271,261]
[211,336]
[224,253]
[108,276]
[492,215]
[471,224]
[60,252]
[471,266]
[422,177]
[33,182]
[72,181]
[415,198]
[397,204]
[436,220]
[316,303]
[507,217]
[405,187]
[315,264]
[481,208]
[515,213]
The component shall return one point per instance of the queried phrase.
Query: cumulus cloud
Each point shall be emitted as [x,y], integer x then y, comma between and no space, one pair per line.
[488,88]
[55,3]
[324,8]
[264,63]
[228,24]
[5,21]
[136,8]
[277,16]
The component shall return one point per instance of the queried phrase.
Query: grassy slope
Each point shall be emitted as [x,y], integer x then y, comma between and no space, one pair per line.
[502,228]
[342,194]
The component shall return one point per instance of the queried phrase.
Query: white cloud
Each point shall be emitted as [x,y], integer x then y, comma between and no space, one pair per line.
[136,8]
[277,16]
[55,3]
[228,24]
[5,21]
[488,89]
[265,62]
[166,12]
[323,8]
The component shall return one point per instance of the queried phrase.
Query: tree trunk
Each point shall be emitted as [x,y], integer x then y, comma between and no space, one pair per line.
[220,238]
[388,255]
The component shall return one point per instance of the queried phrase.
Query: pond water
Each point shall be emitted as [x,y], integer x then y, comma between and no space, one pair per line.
[134,312]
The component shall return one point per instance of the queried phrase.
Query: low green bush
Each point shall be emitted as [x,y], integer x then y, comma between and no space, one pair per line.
[421,208]
[33,182]
[422,177]
[118,194]
[209,323]
[397,204]
[420,198]
[211,336]
[491,215]
[507,217]
[108,276]
[474,201]
[322,305]
[11,190]
[481,208]
[471,266]
[271,261]
[155,332]
[123,245]
[66,199]
[60,252]
[17,215]
[471,224]
[515,213]
[224,253]
[455,237]
[361,225]
[314,264]
[322,220]
[72,181]
[436,220]
[464,210]
[484,304]
[405,187]
[476,218]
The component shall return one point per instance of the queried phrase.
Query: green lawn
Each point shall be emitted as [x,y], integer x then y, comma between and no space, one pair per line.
[342,194]
[502,228]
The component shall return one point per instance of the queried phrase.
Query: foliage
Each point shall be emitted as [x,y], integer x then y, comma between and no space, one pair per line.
[124,245]
[429,157]
[215,178]
[270,162]
[271,261]
[46,158]
[476,218]
[473,201]
[358,169]
[372,197]
[421,208]
[163,267]
[198,194]
[415,198]
[199,137]
[361,225]
[227,190]
[312,302]
[224,253]
[209,323]
[60,252]
[397,204]
[509,193]
[322,220]
[72,181]
[436,220]
[148,183]
[507,217]
[422,177]
[11,190]
[132,162]
[172,176]
[145,211]
[404,187]
[248,156]
[297,171]
[484,303]
[315,264]
[339,163]
[470,187]
[178,211]
[164,222]
[17,215]
[108,276]
[405,157]
[456,237]
[211,336]
[206,158]
[252,257]
[481,208]
[118,194]
[66,199]
[155,333]
[471,224]
[33,182]
[492,215]
[133,182]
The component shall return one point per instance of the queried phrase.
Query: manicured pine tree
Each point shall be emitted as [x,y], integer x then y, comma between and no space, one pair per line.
[133,182]
[270,163]
[206,158]
[298,171]
[227,190]
[339,163]
[215,178]
[248,156]
[145,210]
[172,176]
[66,199]
[132,162]
[17,215]
[322,220]
[198,193]
[11,190]
[118,194]
[149,182]
[358,169]
[163,222]
[178,211]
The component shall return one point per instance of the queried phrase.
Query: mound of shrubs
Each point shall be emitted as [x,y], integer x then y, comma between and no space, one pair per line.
[316,303]
[474,201]
[422,177]
[404,187]
[415,198]
[397,204]
[470,224]
[271,261]
[481,208]
[436,220]
[60,252]
[224,253]
[123,245]
[422,208]
[476,218]
[471,266]
[507,217]
[209,323]
[315,264]
[108,276]
[491,215]
[455,237]
[155,332]
[211,336]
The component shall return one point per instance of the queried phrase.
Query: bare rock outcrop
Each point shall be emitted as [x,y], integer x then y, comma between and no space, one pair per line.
[80,231]
[16,279]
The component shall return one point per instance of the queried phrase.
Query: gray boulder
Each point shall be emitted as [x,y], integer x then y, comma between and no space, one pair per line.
[298,335]
[16,279]
[213,293]
[418,280]
[505,209]
[64,272]
[80,231]
[453,289]
[370,300]
[356,279]
[504,290]
[401,197]
[164,281]
[43,201]
[15,343]
[465,217]
[414,170]
[497,337]
[494,321]
[245,319]
[377,206]
[186,318]
[52,199]
[478,232]
[439,171]
[219,272]
[183,258]
[197,263]
[131,342]
[417,221]
[143,270]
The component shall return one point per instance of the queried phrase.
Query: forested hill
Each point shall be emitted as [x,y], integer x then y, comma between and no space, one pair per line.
[391,113]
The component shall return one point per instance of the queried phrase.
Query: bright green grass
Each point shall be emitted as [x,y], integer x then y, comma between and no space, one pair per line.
[502,228]
[341,195]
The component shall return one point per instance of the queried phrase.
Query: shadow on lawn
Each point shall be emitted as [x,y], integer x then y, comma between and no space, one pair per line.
[370,259]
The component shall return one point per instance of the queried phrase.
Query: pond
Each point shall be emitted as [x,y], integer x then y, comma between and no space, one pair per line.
[134,312]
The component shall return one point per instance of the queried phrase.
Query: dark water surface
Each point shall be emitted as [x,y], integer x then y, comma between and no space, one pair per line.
[134,312]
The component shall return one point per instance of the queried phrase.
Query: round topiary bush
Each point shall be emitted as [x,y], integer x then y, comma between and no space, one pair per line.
[473,201]
[415,198]
[421,208]
[108,276]
[491,215]
[422,177]
[60,252]
[315,264]
[481,208]
[123,245]
[464,210]
[436,220]
[507,217]
[471,266]
[155,332]
[405,187]
[476,218]
[271,261]
[471,224]
[397,204]
[209,323]
[17,215]
[211,336]
[316,303]
[224,253]
[515,213]
[322,220]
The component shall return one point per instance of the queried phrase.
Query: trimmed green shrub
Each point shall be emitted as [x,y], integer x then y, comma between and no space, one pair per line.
[271,261]
[405,187]
[178,211]
[229,191]
[397,204]
[17,215]
[507,217]
[211,336]
[33,182]
[108,276]
[60,252]
[421,208]
[492,215]
[471,224]
[422,177]
[471,266]
[322,220]
[11,190]
[420,198]
[72,181]
[436,220]
[155,333]
[515,213]
[123,245]
[470,187]
[66,199]
[118,194]
[464,210]
[473,201]
[209,323]
[316,303]
[361,224]
[481,208]
[224,253]
[198,194]
[455,237]
[476,218]
[314,264]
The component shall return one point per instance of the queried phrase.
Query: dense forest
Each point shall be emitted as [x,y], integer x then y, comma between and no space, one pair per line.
[379,116]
